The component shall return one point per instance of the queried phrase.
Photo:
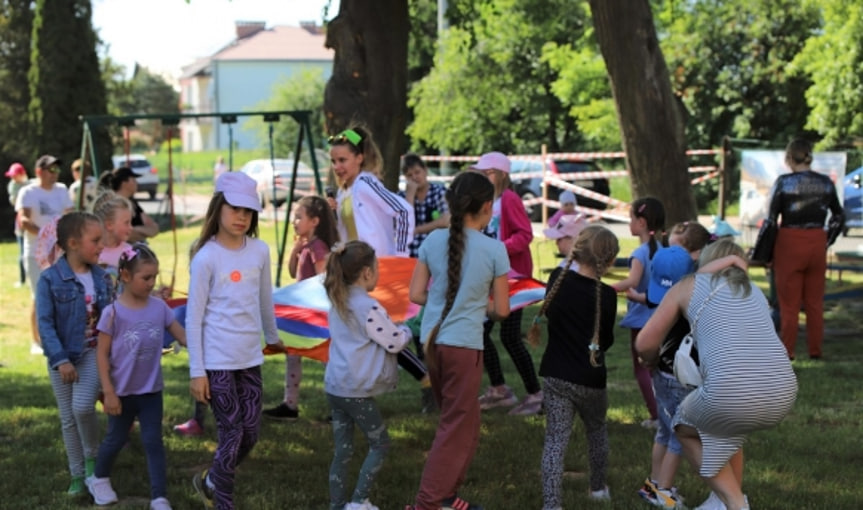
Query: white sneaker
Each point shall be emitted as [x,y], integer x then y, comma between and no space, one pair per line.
[36,349]
[711,503]
[160,504]
[601,495]
[365,505]
[101,490]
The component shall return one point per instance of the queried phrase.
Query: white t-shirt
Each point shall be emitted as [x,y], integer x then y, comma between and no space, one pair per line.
[44,205]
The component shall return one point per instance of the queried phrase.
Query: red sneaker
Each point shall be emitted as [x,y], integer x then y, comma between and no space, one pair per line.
[190,428]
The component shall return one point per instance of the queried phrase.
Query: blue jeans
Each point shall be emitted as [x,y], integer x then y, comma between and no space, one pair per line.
[148,409]
[669,394]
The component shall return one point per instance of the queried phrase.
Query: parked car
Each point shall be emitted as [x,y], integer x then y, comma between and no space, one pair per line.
[531,187]
[263,170]
[147,175]
[853,200]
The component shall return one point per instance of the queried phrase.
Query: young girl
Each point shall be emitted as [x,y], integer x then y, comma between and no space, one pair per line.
[511,225]
[366,210]
[315,228]
[581,312]
[456,306]
[230,305]
[129,359]
[115,211]
[70,295]
[646,222]
[362,364]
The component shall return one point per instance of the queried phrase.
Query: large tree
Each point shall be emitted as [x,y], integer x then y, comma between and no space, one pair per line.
[369,80]
[65,80]
[491,86]
[16,24]
[651,120]
[729,64]
[833,59]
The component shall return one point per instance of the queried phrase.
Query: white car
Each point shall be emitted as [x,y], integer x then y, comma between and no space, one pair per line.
[147,175]
[274,185]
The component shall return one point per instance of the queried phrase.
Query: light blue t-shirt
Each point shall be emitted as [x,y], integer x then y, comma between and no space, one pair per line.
[637,314]
[484,259]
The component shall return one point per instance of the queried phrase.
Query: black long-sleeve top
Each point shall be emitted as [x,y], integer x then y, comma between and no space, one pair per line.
[803,200]
[571,318]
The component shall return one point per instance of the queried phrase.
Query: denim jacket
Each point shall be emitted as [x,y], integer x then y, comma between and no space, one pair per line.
[61,312]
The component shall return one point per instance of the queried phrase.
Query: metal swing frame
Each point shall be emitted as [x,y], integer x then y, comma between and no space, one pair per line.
[302,117]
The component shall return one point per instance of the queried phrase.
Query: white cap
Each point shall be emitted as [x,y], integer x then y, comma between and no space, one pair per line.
[239,189]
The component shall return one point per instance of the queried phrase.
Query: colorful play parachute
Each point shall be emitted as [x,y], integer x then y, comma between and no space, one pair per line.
[302,307]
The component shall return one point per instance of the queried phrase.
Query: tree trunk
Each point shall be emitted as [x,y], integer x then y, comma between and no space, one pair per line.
[369,80]
[651,122]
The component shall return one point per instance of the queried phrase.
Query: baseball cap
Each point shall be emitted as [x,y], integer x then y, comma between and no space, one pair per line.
[46,160]
[239,189]
[668,267]
[567,197]
[569,225]
[16,169]
[492,160]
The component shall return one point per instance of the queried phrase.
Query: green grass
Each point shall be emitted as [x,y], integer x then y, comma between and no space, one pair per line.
[813,460]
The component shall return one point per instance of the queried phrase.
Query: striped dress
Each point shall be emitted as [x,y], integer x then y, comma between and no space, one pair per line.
[748,381]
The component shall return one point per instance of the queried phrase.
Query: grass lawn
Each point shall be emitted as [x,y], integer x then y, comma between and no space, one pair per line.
[813,460]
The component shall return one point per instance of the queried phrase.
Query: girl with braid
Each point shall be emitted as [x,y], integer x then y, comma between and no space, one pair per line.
[581,311]
[457,304]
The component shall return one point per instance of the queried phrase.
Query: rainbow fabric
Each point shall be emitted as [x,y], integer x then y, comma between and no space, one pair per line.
[302,307]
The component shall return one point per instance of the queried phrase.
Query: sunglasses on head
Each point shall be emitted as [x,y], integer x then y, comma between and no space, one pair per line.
[348,135]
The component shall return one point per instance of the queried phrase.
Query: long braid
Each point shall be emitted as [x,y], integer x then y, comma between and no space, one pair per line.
[455,251]
[594,340]
[533,334]
[467,195]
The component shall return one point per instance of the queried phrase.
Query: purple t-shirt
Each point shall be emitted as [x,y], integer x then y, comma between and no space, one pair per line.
[136,345]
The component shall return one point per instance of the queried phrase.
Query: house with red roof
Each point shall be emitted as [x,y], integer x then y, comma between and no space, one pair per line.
[243,74]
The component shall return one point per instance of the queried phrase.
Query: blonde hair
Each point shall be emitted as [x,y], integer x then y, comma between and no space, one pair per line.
[738,279]
[107,203]
[344,267]
[595,247]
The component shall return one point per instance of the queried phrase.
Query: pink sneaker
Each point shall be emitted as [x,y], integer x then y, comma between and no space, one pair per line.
[190,428]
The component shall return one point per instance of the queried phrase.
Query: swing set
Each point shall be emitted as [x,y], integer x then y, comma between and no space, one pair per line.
[172,121]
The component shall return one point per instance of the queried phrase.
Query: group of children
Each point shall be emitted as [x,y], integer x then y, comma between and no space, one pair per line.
[103,329]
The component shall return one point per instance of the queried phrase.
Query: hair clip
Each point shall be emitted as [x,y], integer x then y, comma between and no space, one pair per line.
[130,253]
[641,208]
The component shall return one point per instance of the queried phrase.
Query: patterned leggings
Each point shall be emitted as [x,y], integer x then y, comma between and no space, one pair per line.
[561,401]
[235,396]
[510,337]
[364,413]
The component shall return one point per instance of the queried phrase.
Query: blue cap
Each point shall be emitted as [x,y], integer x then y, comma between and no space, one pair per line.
[668,267]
